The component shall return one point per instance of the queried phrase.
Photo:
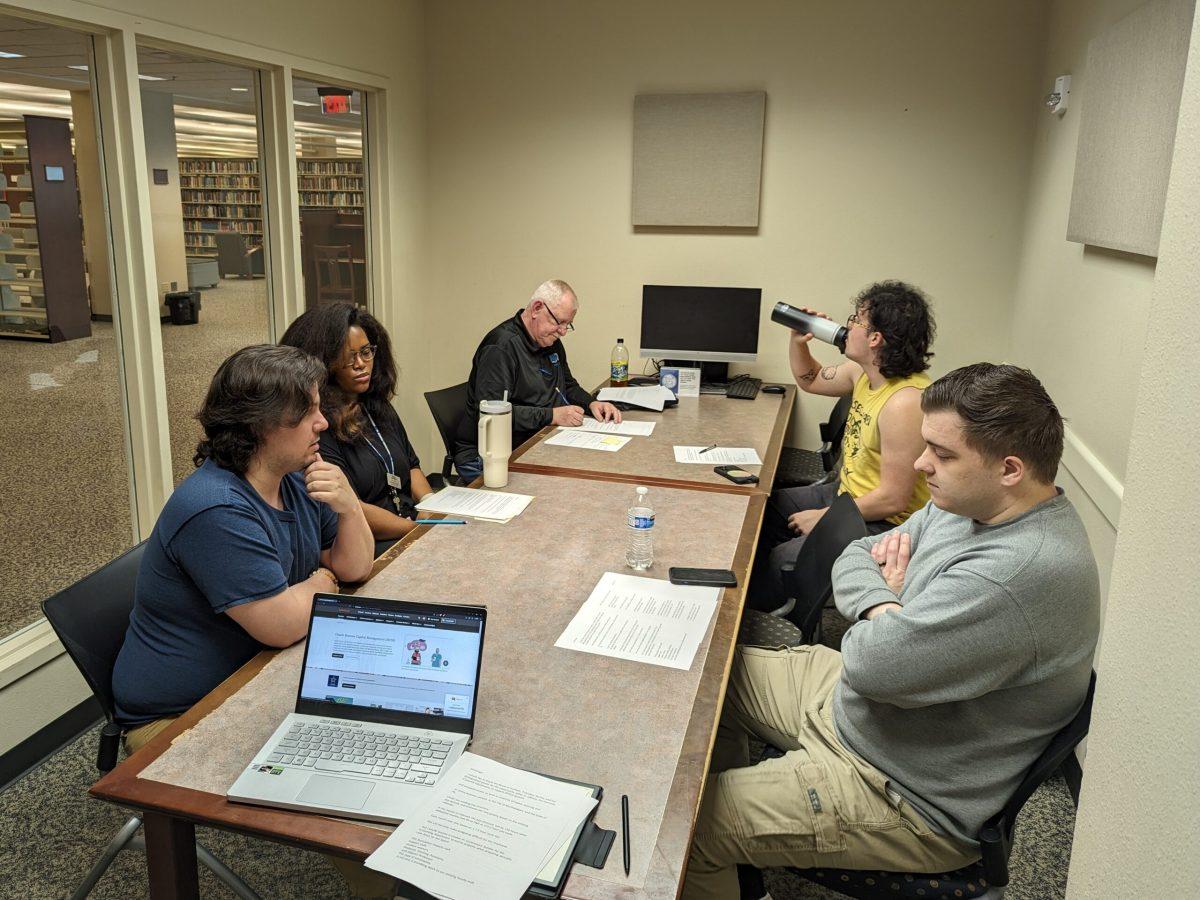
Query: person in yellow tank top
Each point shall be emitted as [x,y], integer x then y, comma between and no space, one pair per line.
[887,353]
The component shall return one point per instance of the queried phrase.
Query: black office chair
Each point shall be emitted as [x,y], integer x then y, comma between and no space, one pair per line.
[809,581]
[798,467]
[986,878]
[90,618]
[448,406]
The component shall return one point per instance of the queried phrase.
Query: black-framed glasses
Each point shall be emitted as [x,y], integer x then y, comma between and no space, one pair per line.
[363,354]
[855,320]
[557,324]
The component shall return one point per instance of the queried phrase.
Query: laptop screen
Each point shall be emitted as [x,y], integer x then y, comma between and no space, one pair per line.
[394,656]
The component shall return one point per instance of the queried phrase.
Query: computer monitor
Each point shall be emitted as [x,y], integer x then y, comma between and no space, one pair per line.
[700,324]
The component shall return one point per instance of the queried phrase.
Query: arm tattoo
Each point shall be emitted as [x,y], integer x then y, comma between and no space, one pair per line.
[829,373]
[808,376]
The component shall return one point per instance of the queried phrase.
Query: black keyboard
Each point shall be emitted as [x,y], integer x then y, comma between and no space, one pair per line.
[743,388]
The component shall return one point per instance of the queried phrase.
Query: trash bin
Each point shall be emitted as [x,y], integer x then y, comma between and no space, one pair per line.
[184,307]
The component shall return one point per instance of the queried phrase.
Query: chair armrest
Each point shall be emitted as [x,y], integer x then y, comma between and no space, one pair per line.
[995,847]
[109,748]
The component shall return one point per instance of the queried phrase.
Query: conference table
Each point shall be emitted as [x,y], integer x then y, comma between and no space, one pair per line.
[640,730]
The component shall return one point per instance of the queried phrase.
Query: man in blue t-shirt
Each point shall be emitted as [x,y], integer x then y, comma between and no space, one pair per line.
[242,544]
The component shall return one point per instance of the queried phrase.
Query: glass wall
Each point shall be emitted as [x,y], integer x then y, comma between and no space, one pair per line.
[63,430]
[202,149]
[331,171]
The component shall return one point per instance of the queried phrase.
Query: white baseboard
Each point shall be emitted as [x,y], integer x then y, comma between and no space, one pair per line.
[1102,486]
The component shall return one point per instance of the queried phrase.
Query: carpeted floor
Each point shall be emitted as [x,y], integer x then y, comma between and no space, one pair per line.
[51,832]
[62,442]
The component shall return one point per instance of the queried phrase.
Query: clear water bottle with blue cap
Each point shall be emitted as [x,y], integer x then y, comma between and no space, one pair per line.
[640,523]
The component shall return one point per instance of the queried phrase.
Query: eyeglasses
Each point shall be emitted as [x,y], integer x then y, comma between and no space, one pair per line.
[855,320]
[363,354]
[557,324]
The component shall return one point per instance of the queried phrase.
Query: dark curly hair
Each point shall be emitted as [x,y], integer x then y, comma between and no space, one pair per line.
[1005,412]
[901,313]
[257,389]
[323,332]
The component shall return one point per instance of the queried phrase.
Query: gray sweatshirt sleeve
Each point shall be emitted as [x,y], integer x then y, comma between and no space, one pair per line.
[857,579]
[961,638]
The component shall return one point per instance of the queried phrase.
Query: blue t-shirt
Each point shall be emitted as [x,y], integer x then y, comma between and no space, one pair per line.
[216,544]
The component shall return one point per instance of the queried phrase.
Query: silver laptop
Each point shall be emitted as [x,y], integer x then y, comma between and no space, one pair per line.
[386,704]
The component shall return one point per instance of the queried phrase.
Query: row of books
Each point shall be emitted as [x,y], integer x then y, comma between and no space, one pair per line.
[188,166]
[218,181]
[210,195]
[222,211]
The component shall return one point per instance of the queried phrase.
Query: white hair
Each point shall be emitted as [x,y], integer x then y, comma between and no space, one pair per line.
[552,291]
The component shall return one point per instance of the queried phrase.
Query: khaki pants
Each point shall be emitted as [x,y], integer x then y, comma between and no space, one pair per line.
[363,883]
[819,804]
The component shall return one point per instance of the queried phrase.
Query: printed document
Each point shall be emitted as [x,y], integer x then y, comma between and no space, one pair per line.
[654,396]
[588,440]
[489,505]
[720,456]
[484,831]
[637,429]
[643,619]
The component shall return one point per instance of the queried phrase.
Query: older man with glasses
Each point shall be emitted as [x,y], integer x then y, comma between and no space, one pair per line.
[523,357]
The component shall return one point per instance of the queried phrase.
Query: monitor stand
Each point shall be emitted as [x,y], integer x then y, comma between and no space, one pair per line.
[714,376]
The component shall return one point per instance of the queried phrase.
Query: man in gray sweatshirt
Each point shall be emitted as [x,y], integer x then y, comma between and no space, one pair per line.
[974,627]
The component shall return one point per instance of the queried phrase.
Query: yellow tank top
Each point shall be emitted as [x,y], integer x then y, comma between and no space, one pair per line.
[861,458]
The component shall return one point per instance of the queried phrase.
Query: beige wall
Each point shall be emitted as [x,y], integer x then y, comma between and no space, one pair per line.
[1137,829]
[897,145]
[1081,313]
[166,207]
[383,38]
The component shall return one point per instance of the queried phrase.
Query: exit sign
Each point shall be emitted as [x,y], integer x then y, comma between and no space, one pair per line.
[334,104]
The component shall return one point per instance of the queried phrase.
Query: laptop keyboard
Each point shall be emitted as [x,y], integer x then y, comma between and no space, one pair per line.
[329,748]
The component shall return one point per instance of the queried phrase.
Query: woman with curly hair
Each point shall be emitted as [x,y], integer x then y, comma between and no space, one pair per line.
[365,438]
[887,352]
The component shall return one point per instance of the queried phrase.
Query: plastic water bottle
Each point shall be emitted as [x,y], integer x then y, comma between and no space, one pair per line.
[640,518]
[619,365]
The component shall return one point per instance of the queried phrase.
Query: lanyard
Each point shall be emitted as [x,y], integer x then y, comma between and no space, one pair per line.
[393,480]
[389,465]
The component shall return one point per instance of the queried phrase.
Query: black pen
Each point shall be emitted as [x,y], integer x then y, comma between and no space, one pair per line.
[706,449]
[625,830]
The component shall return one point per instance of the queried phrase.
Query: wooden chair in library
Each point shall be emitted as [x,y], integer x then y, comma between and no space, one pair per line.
[334,268]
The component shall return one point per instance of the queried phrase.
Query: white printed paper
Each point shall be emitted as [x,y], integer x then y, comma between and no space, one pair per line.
[643,619]
[627,426]
[720,456]
[654,396]
[485,830]
[490,505]
[588,440]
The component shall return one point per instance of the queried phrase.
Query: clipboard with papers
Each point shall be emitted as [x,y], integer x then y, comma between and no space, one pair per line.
[588,845]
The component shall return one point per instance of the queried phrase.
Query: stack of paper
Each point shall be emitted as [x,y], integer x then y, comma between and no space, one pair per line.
[489,506]
[738,456]
[588,440]
[484,831]
[637,429]
[643,619]
[654,396]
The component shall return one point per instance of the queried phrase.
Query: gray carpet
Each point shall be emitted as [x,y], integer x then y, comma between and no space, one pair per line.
[62,442]
[51,832]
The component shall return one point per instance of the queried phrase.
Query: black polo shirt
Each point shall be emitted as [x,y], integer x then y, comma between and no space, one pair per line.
[537,380]
[364,469]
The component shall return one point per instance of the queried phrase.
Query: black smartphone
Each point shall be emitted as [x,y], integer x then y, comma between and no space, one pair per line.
[702,577]
[736,475]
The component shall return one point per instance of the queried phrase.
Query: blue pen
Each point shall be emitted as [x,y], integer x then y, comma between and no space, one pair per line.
[441,521]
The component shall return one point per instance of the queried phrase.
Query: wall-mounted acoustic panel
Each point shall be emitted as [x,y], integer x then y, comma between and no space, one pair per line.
[697,159]
[1129,105]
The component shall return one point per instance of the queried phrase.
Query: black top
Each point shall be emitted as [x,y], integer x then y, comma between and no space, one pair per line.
[365,470]
[508,359]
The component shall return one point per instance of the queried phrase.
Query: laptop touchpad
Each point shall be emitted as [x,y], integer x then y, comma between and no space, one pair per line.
[326,790]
